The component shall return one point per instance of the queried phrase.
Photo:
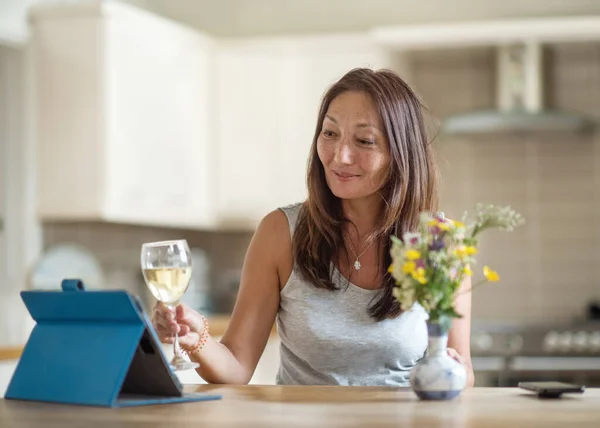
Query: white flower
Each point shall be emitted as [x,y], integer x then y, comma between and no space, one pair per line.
[460,232]
[397,253]
[411,239]
[397,273]
[406,297]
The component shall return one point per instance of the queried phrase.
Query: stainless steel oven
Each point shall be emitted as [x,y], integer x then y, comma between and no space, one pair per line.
[505,356]
[579,370]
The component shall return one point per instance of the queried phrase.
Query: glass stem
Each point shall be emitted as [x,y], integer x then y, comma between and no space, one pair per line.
[176,349]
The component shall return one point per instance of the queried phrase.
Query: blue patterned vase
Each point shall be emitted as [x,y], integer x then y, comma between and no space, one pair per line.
[437,376]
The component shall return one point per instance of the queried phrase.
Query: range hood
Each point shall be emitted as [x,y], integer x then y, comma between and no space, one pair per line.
[520,98]
[520,78]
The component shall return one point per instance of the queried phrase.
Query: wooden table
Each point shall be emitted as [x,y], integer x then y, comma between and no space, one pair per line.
[273,406]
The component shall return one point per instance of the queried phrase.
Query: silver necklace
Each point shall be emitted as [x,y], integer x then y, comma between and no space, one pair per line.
[357,264]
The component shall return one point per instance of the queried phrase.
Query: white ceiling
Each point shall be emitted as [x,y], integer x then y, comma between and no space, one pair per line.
[256,17]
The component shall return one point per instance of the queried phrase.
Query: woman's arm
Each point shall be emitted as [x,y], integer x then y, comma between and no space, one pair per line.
[233,360]
[459,336]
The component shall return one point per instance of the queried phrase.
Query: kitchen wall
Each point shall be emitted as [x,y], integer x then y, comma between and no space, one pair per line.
[549,268]
[117,248]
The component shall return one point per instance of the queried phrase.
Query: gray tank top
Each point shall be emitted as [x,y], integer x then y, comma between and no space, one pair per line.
[328,338]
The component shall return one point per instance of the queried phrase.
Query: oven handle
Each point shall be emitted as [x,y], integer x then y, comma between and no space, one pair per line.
[555,363]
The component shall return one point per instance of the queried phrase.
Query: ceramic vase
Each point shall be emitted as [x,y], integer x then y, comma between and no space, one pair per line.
[437,376]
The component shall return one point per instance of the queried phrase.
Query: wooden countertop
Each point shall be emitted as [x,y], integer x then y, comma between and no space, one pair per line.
[8,353]
[275,406]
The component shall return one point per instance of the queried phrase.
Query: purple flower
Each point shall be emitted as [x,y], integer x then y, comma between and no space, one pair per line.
[434,230]
[414,240]
[420,263]
[437,244]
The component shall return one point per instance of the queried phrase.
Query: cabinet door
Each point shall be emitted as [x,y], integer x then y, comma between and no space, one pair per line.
[66,56]
[249,133]
[123,117]
[157,114]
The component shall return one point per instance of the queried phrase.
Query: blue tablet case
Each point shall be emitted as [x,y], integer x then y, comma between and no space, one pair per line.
[94,348]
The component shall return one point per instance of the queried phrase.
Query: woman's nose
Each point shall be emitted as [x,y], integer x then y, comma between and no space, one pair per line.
[343,153]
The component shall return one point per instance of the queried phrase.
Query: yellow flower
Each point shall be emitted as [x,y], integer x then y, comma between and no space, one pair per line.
[459,224]
[421,280]
[467,270]
[463,251]
[391,268]
[413,255]
[419,275]
[443,226]
[409,267]
[490,275]
[432,223]
[470,250]
[460,251]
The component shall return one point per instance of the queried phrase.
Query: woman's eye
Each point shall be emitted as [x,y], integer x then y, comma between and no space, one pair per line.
[328,134]
[366,142]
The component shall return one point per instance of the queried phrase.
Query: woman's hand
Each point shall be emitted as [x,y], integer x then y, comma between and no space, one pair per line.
[457,357]
[454,354]
[186,322]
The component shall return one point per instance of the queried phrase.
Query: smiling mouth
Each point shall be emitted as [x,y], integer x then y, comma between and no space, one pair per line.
[345,175]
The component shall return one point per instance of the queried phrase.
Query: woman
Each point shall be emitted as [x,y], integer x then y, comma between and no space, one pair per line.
[320,268]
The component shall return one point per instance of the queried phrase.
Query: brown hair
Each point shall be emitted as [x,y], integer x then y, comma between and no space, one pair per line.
[411,185]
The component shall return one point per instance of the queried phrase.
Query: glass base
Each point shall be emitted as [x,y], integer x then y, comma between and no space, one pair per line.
[179,364]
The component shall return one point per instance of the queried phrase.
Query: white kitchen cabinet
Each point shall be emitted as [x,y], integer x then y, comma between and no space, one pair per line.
[249,93]
[141,120]
[269,92]
[123,116]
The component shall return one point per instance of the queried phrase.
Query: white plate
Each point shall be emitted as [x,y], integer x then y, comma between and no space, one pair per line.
[66,261]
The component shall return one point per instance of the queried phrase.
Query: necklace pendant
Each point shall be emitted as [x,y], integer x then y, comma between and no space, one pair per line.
[356,264]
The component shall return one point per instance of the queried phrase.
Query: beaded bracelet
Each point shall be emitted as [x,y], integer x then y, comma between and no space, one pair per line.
[190,350]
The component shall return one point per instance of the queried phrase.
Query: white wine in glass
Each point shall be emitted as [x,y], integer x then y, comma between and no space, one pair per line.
[167,269]
[167,284]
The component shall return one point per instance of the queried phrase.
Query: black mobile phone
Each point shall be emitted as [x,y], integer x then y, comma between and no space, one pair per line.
[551,389]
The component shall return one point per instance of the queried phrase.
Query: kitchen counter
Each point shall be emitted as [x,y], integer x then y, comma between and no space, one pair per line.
[10,352]
[276,406]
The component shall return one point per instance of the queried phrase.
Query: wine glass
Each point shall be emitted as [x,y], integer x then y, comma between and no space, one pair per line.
[167,269]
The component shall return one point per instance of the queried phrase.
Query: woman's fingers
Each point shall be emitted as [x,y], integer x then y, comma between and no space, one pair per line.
[452,353]
[190,318]
[182,322]
[163,320]
[183,330]
[160,322]
[164,311]
[166,339]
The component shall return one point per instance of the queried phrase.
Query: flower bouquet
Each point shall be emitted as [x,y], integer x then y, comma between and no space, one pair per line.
[429,266]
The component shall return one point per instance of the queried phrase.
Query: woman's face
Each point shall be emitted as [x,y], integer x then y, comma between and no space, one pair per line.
[352,147]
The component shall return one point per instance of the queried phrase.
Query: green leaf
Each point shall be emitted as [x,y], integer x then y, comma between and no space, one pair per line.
[445,322]
[397,240]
